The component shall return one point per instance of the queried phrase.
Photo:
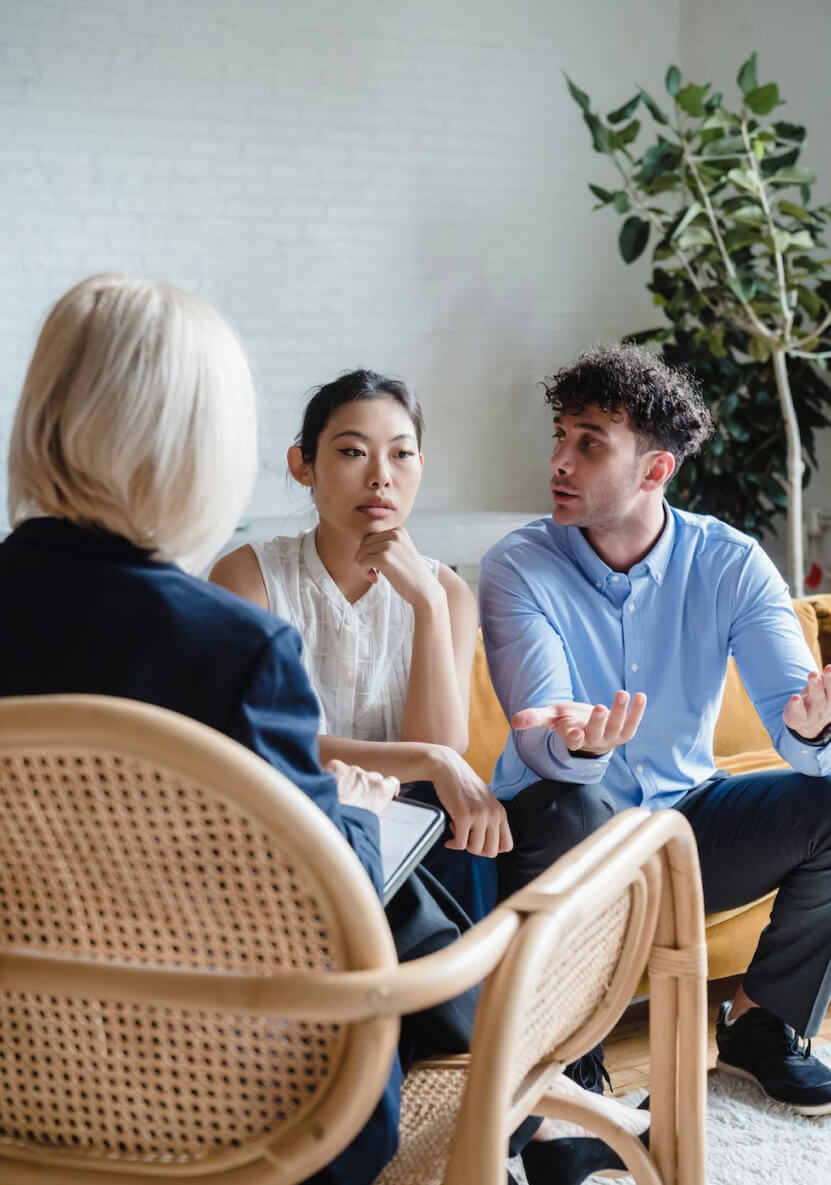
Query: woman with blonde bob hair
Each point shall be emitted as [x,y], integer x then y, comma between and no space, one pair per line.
[137,414]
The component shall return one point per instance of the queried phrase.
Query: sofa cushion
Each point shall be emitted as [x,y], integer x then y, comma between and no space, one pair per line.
[822,607]
[739,728]
[488,726]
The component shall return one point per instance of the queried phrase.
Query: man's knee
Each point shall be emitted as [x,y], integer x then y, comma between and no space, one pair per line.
[560,812]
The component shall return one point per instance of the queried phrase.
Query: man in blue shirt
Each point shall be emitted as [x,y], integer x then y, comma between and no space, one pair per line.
[608,627]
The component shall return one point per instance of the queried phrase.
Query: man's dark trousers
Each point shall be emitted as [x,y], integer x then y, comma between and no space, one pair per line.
[755,833]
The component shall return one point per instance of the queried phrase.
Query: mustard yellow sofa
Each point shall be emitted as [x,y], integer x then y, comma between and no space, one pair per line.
[741,744]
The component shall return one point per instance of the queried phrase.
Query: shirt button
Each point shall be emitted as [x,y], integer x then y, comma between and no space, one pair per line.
[804,752]
[634,666]
[615,579]
[631,608]
[599,584]
[639,768]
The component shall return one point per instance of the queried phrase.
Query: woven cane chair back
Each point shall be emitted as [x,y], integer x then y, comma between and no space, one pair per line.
[133,838]
[576,966]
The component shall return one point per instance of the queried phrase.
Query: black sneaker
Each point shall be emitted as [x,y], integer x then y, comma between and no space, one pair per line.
[762,1048]
[589,1071]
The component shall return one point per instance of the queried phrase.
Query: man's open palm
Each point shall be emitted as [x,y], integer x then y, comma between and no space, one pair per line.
[588,728]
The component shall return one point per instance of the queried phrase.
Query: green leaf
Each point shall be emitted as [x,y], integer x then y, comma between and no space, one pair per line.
[652,107]
[719,119]
[747,75]
[810,302]
[624,112]
[748,215]
[691,98]
[580,97]
[664,183]
[673,80]
[692,212]
[781,239]
[738,289]
[600,141]
[625,135]
[714,102]
[725,145]
[634,235]
[696,236]
[802,239]
[659,158]
[792,176]
[602,195]
[763,99]
[740,236]
[744,179]
[783,160]
[738,431]
[621,202]
[790,131]
[759,348]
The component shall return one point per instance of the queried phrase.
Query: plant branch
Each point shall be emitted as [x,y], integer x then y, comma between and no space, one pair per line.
[818,332]
[759,329]
[632,193]
[787,313]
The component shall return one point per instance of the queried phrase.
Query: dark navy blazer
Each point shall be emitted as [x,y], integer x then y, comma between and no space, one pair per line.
[86,611]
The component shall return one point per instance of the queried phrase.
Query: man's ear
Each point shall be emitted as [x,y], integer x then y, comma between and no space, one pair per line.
[302,471]
[660,468]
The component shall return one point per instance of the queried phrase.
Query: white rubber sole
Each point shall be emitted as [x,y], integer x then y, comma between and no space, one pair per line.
[799,1108]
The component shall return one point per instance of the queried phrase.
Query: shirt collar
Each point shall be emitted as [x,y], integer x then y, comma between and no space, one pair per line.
[68,536]
[598,571]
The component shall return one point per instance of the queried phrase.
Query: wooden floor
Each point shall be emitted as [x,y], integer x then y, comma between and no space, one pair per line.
[627,1052]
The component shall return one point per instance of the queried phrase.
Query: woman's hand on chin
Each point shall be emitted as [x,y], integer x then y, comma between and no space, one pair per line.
[393,554]
[359,787]
[480,825]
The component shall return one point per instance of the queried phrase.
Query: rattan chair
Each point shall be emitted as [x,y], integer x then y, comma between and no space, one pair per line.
[197,981]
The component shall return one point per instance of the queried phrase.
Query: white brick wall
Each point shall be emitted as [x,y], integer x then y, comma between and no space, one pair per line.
[353,182]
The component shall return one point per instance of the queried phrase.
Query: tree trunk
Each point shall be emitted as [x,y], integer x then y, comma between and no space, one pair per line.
[796,563]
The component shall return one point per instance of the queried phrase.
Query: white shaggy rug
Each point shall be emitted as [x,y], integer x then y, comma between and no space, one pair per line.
[751,1141]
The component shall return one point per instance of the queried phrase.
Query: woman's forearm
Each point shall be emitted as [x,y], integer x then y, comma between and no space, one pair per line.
[434,710]
[409,761]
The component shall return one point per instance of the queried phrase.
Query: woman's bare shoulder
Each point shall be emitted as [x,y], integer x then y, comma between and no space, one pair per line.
[239,572]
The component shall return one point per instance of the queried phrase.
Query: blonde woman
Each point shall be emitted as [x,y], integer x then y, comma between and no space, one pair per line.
[132,456]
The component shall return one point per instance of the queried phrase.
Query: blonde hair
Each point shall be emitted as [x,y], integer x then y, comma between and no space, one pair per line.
[137,415]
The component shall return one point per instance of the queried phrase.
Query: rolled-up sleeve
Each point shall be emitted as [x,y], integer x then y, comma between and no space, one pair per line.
[529,669]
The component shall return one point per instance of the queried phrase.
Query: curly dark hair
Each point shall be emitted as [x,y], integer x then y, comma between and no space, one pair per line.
[663,405]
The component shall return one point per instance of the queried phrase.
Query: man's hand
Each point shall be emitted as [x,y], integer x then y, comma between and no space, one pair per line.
[357,787]
[808,713]
[587,728]
[477,817]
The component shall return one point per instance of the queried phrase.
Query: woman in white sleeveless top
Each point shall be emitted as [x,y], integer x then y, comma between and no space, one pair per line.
[389,636]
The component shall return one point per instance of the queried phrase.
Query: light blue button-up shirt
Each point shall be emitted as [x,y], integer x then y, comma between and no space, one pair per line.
[559,624]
